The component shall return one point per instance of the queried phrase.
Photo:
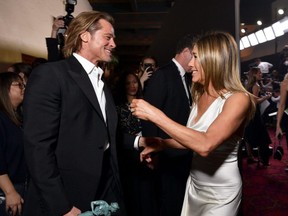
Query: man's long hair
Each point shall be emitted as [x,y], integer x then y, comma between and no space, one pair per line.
[85,21]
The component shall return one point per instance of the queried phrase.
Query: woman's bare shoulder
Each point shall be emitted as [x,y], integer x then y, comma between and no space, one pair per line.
[239,98]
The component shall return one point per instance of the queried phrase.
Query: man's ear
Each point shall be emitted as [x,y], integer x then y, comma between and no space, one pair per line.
[186,49]
[85,36]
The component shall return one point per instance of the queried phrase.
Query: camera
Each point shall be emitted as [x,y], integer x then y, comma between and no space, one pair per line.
[69,8]
[149,66]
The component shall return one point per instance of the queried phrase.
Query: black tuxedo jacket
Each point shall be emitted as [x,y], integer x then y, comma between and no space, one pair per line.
[65,135]
[166,91]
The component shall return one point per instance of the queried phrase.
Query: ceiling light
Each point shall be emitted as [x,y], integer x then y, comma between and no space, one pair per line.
[269,33]
[241,45]
[280,11]
[245,42]
[284,24]
[260,36]
[278,30]
[252,39]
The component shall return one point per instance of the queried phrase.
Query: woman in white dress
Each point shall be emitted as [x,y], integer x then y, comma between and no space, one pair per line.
[220,111]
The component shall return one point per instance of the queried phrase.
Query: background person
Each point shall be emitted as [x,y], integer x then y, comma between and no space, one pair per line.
[137,179]
[13,172]
[53,47]
[22,69]
[282,116]
[256,133]
[214,129]
[147,67]
[167,90]
[264,67]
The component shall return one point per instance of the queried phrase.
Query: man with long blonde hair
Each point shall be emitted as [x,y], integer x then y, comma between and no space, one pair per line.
[70,125]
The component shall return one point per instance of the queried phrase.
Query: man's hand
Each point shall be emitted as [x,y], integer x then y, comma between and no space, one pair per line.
[73,212]
[58,23]
[151,145]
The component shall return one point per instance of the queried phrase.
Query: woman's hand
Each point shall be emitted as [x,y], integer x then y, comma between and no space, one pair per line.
[278,132]
[14,203]
[143,110]
[146,75]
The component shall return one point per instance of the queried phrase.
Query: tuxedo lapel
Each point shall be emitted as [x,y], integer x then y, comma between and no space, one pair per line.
[111,114]
[81,78]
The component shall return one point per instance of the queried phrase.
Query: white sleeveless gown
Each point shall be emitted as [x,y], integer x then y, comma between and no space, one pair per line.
[214,186]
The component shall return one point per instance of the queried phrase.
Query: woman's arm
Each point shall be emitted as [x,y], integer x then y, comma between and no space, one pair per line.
[13,200]
[280,112]
[227,123]
[255,91]
[145,76]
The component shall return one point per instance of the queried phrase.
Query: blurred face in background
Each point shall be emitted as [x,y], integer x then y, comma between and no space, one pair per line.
[16,93]
[131,85]
[258,75]
[148,62]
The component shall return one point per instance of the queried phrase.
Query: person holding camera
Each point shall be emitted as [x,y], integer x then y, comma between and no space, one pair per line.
[53,49]
[147,66]
[56,42]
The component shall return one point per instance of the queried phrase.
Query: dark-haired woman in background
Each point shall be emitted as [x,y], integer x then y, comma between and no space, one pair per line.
[22,69]
[136,177]
[13,173]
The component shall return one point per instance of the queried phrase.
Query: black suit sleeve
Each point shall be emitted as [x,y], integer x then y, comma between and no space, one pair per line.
[155,94]
[42,106]
[54,53]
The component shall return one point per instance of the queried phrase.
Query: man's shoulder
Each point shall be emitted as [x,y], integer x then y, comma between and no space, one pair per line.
[167,68]
[169,65]
[69,62]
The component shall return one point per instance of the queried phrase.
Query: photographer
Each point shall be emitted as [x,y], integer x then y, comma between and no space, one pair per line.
[147,66]
[56,42]
[54,52]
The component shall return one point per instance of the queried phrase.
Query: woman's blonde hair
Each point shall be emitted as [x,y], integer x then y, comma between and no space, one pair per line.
[219,57]
[252,78]
[85,21]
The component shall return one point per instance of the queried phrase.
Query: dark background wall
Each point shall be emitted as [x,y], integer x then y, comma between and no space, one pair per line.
[195,17]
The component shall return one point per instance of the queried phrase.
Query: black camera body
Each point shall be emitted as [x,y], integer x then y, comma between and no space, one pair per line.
[69,8]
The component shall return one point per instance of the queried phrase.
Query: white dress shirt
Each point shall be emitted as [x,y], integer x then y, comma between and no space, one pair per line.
[95,75]
[182,74]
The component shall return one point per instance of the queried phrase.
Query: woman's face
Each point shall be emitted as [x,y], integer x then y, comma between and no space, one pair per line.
[131,85]
[148,62]
[258,75]
[197,70]
[16,93]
